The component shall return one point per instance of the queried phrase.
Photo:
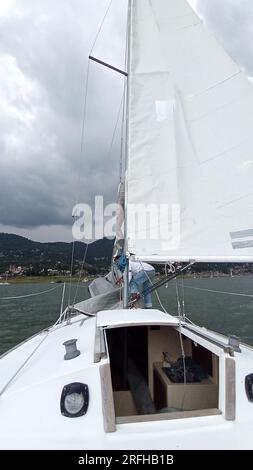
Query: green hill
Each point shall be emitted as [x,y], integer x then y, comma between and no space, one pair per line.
[21,251]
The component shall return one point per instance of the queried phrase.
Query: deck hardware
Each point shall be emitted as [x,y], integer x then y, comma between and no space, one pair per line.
[234,342]
[249,387]
[74,400]
[227,348]
[71,349]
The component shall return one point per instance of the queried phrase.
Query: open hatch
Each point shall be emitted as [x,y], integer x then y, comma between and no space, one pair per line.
[150,379]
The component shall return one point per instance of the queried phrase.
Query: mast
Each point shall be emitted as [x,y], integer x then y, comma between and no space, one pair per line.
[128,53]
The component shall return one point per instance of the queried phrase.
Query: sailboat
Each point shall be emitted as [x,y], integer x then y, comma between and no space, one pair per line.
[107,376]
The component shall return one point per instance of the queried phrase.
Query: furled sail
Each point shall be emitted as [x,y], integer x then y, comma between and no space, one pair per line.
[189,181]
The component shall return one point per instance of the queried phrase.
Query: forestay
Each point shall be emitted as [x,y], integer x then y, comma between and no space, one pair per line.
[189,190]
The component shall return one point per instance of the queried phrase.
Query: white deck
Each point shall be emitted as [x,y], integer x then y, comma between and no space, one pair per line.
[30,406]
[48,361]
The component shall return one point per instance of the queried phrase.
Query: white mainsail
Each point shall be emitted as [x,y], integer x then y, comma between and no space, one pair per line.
[189,184]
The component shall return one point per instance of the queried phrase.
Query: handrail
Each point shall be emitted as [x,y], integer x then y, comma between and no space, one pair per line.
[227,348]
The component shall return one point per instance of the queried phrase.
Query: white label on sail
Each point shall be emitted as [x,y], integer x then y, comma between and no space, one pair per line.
[193,149]
[164,109]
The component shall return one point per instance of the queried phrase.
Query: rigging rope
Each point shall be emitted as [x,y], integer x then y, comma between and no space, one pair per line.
[108,154]
[157,295]
[71,269]
[116,126]
[81,271]
[183,297]
[79,173]
[23,364]
[179,310]
[169,268]
[83,142]
[29,295]
[180,331]
[100,27]
[182,350]
[219,291]
[180,319]
[160,302]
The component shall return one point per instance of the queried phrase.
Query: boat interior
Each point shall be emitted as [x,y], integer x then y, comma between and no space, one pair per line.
[151,380]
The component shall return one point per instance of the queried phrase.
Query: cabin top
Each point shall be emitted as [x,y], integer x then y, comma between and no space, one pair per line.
[134,317]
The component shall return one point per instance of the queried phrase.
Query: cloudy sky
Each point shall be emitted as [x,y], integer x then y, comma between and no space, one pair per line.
[44,46]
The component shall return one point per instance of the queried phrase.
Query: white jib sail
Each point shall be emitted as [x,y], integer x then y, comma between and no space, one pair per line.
[189,184]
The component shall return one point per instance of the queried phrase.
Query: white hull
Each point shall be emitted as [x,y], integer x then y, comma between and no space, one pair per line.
[30,405]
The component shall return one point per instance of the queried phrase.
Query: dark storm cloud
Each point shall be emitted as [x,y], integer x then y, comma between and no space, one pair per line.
[43,63]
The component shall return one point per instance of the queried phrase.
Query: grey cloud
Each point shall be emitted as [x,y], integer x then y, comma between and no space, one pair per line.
[231,22]
[41,169]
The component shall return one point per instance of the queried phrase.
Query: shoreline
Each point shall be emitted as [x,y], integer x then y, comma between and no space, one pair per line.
[85,279]
[45,280]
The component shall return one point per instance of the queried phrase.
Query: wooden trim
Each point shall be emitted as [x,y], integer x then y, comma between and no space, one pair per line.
[97,348]
[107,398]
[168,416]
[230,382]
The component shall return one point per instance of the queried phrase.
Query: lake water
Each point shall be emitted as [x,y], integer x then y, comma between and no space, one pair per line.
[222,312]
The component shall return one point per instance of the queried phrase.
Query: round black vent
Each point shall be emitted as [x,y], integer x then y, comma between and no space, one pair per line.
[74,400]
[249,386]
